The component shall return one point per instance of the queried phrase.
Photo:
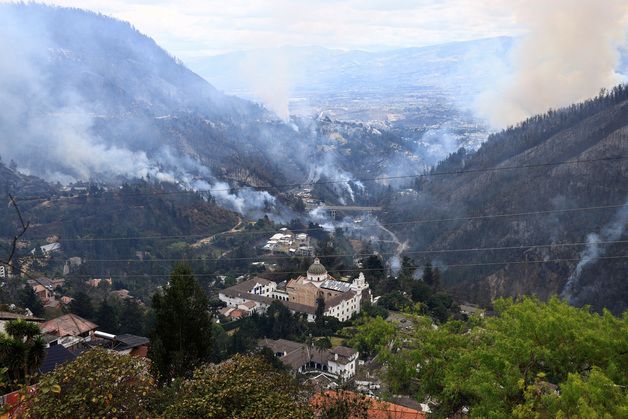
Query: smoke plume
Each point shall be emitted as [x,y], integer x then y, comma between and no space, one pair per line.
[569,53]
[610,232]
[268,75]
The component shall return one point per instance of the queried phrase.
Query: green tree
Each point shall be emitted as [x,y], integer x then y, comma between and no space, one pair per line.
[436,279]
[98,383]
[533,359]
[132,318]
[428,275]
[243,387]
[372,336]
[82,305]
[107,317]
[21,350]
[181,338]
[320,312]
[394,301]
[29,300]
[322,343]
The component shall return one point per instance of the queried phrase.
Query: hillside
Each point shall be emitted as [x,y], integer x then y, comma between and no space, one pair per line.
[91,98]
[593,130]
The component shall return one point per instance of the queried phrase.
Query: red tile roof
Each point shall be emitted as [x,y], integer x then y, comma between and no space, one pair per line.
[377,409]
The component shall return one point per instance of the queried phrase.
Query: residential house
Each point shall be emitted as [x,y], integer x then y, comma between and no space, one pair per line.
[70,329]
[126,344]
[7,316]
[339,362]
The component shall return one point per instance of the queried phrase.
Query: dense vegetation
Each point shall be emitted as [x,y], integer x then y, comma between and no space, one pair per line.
[532,359]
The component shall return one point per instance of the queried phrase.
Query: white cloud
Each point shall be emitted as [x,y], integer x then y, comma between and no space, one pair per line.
[203,27]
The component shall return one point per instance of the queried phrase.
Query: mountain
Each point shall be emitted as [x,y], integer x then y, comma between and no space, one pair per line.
[88,97]
[321,71]
[593,130]
[408,87]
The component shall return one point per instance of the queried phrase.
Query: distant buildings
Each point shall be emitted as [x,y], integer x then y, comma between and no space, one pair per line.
[300,295]
[46,250]
[44,289]
[289,243]
[95,282]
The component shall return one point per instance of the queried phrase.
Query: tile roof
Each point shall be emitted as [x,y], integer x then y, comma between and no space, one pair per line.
[343,351]
[377,409]
[68,325]
[334,301]
[247,286]
[298,354]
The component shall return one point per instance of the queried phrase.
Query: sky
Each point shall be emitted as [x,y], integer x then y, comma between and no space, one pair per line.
[196,28]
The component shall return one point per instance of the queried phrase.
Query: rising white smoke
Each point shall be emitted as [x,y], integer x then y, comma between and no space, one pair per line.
[594,249]
[343,183]
[268,74]
[569,53]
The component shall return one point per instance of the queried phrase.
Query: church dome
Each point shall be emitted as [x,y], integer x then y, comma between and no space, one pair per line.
[316,268]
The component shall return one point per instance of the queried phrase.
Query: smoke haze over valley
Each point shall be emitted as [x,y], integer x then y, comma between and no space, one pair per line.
[290,133]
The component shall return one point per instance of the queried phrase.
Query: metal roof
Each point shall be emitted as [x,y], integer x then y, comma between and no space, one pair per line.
[332,284]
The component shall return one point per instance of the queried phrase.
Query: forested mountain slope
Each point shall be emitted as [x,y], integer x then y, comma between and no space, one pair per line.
[88,97]
[596,130]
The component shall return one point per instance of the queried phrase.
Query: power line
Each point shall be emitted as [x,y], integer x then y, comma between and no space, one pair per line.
[373,179]
[440,266]
[471,249]
[418,221]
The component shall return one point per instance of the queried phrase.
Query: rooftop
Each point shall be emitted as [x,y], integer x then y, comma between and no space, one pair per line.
[332,284]
[317,268]
[54,356]
[68,325]
[7,315]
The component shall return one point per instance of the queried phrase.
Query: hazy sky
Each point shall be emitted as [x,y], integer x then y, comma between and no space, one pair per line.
[206,27]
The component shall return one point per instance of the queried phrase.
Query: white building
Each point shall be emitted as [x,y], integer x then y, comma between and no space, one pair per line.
[339,362]
[300,295]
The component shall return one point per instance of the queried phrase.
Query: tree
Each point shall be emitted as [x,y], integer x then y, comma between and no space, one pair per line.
[181,338]
[394,301]
[21,350]
[428,275]
[533,359]
[322,343]
[372,336]
[320,311]
[29,300]
[420,291]
[132,318]
[82,305]
[107,317]
[243,387]
[97,383]
[436,279]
